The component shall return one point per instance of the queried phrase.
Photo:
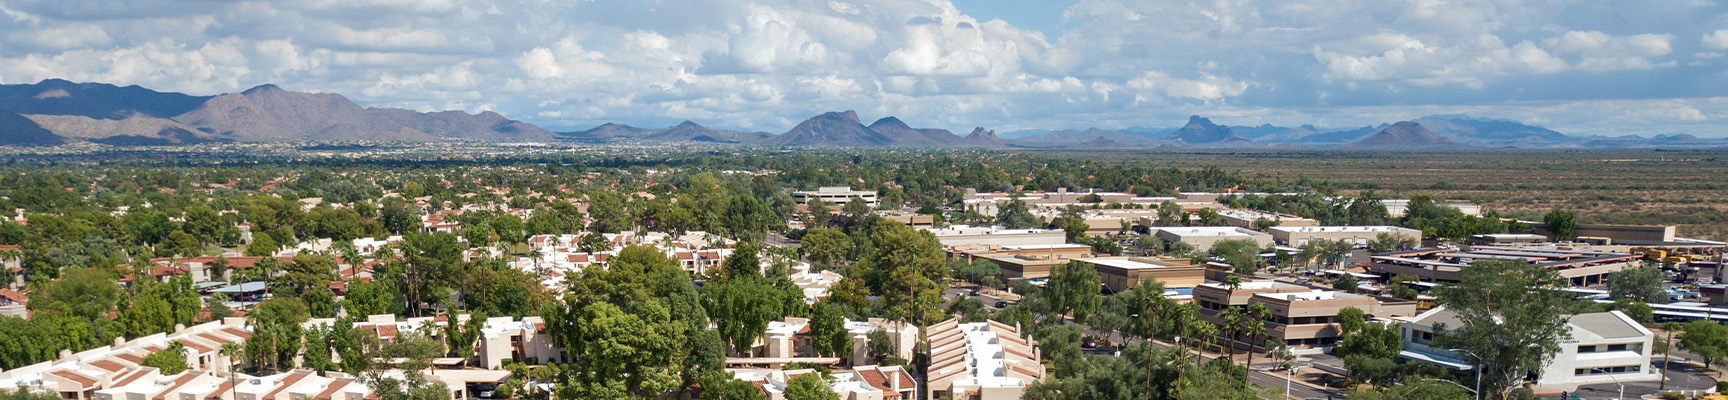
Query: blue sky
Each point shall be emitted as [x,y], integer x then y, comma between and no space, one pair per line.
[1583,67]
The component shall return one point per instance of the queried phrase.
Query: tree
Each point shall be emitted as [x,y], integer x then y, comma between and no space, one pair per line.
[1243,254]
[1368,339]
[1387,242]
[825,245]
[913,274]
[855,209]
[412,387]
[1400,287]
[1513,317]
[1415,389]
[1642,284]
[717,388]
[1015,215]
[828,334]
[170,361]
[809,387]
[820,215]
[1666,345]
[1560,224]
[1073,289]
[276,331]
[1706,339]
[1171,214]
[1346,283]
[593,242]
[608,213]
[261,246]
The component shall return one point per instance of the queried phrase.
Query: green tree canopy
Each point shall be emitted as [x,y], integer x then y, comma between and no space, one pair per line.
[1512,315]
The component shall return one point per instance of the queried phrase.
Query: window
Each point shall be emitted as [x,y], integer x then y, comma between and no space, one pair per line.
[1589,348]
[1422,337]
[1617,347]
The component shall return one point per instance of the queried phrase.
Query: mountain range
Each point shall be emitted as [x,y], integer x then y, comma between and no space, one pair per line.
[54,112]
[103,113]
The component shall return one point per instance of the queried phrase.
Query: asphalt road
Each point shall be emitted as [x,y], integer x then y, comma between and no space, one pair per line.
[1679,378]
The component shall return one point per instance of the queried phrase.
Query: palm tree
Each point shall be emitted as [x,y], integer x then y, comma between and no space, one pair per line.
[1256,329]
[1232,325]
[1667,346]
[233,351]
[1203,331]
[536,255]
[1233,282]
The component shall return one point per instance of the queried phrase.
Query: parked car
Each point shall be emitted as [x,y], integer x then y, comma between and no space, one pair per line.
[1001,304]
[973,293]
[1089,343]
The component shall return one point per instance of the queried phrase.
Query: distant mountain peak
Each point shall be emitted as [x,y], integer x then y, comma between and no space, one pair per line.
[264,88]
[1404,135]
[888,121]
[1202,131]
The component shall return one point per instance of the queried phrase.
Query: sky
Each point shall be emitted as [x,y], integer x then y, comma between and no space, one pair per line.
[1582,67]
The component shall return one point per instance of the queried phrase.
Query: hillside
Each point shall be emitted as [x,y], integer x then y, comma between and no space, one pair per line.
[132,115]
[831,129]
[94,100]
[1404,135]
[16,130]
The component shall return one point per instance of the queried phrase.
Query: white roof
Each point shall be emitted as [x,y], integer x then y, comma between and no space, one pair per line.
[1340,229]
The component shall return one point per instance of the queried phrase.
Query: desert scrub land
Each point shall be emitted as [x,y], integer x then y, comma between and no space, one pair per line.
[1687,188]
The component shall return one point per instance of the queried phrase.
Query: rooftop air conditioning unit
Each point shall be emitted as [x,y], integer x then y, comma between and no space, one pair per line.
[256,381]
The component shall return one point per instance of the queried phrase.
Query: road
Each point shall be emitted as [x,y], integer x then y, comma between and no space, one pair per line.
[1258,376]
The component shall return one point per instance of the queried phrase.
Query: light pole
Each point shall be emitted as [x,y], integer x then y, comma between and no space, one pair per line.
[1287,373]
[1616,382]
[1477,367]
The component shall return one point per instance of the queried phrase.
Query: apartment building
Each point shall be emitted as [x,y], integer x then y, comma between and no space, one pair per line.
[1604,347]
[1296,236]
[79,376]
[863,383]
[981,360]
[789,340]
[1305,318]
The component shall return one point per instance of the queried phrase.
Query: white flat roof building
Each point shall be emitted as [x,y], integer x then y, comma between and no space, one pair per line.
[1605,347]
[834,195]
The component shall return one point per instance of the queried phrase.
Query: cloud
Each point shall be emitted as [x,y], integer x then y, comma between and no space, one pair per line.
[1603,52]
[1715,40]
[766,64]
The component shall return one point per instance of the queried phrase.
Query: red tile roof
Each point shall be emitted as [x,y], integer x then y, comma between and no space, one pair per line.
[72,376]
[182,381]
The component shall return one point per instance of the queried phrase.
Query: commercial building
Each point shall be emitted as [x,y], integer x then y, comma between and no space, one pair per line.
[1123,273]
[1305,318]
[1204,237]
[957,235]
[1582,268]
[1296,236]
[1026,262]
[1604,347]
[834,195]
[981,360]
[1247,218]
[1499,239]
